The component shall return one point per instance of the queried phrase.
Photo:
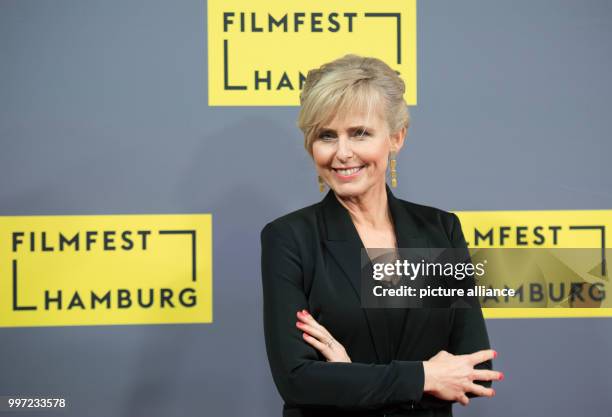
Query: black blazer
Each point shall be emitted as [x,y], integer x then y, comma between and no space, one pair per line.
[310,260]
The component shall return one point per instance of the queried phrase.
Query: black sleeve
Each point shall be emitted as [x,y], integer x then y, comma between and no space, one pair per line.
[301,378]
[469,332]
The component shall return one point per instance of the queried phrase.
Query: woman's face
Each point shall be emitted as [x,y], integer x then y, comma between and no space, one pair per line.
[351,152]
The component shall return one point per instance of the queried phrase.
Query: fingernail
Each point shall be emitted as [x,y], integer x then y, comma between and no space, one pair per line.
[305,312]
[298,323]
[494,354]
[494,393]
[501,376]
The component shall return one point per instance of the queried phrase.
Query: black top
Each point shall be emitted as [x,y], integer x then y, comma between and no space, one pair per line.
[310,260]
[394,314]
[395,320]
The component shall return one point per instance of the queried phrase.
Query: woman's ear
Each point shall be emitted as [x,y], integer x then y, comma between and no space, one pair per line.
[397,139]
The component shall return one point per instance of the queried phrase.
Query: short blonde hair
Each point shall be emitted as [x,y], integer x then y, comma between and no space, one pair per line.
[348,83]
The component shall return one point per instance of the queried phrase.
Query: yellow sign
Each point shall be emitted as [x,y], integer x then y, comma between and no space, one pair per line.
[105,269]
[539,229]
[260,52]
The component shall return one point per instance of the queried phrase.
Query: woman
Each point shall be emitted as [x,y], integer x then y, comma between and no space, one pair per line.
[337,358]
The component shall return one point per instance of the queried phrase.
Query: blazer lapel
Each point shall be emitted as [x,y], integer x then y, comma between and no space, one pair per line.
[345,246]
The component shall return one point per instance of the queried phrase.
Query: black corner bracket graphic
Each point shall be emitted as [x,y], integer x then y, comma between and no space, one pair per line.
[193,247]
[398,21]
[602,230]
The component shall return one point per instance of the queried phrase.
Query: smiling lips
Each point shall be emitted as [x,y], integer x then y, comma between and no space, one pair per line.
[348,173]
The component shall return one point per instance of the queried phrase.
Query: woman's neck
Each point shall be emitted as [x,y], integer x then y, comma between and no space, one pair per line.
[370,209]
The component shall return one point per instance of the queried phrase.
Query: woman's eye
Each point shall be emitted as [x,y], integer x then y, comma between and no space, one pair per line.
[362,133]
[326,137]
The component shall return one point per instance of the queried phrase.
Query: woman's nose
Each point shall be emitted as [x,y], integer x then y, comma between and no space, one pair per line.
[344,150]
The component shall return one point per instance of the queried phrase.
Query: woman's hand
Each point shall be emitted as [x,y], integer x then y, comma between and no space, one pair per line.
[319,338]
[450,377]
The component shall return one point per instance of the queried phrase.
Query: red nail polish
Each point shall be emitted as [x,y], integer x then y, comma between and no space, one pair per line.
[494,354]
[501,376]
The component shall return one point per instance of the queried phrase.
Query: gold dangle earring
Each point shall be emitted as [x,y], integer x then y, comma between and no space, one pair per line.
[393,166]
[321,184]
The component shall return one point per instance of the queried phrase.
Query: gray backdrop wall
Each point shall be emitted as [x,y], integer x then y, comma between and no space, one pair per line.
[103,109]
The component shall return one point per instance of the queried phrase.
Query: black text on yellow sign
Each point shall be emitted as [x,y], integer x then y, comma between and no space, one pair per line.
[542,229]
[260,52]
[105,269]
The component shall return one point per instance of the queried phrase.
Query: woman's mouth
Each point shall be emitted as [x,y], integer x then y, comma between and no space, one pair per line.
[348,172]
